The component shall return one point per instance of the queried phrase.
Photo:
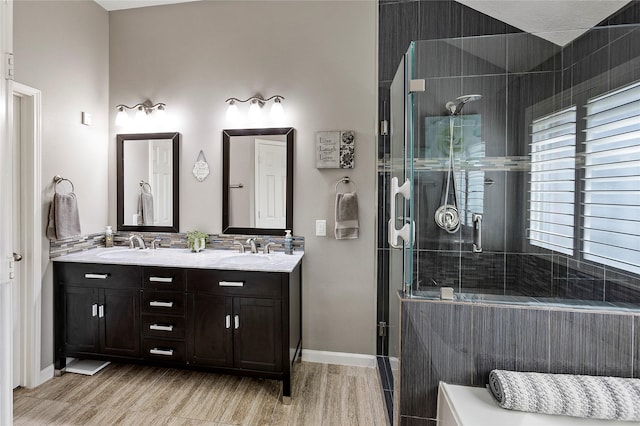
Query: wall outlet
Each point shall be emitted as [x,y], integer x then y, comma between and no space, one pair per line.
[321,228]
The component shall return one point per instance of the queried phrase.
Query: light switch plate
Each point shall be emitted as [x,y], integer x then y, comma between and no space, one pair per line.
[86,118]
[321,228]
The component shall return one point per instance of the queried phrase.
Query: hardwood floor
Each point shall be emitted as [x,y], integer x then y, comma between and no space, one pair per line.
[139,395]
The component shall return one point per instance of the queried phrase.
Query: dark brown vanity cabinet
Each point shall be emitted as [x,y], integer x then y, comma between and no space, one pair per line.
[97,311]
[239,322]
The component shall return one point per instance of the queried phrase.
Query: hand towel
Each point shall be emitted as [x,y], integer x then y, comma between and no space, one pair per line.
[567,394]
[64,220]
[346,220]
[145,208]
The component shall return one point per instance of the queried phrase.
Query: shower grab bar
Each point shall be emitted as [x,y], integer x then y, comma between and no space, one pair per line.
[403,232]
[476,218]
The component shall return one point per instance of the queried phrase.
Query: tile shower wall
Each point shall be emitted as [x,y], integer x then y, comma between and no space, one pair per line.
[460,343]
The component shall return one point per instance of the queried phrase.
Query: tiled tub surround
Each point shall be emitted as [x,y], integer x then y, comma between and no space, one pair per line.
[461,342]
[167,240]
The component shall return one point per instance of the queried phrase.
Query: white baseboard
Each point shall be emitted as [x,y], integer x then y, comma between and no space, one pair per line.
[46,374]
[339,358]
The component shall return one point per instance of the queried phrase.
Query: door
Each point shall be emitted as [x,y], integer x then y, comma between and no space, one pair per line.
[80,308]
[119,315]
[270,183]
[17,244]
[257,333]
[161,179]
[211,342]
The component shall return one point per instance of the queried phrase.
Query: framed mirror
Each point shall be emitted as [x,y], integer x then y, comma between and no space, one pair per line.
[257,181]
[148,182]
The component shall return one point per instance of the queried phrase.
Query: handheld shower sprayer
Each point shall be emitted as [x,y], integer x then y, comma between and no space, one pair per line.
[455,109]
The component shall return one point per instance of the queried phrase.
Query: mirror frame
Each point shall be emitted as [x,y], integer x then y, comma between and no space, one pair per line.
[226,145]
[175,142]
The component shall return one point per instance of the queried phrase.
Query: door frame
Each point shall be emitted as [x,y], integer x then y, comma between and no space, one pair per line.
[32,235]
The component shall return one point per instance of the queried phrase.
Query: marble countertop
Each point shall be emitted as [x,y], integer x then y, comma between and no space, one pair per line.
[184,258]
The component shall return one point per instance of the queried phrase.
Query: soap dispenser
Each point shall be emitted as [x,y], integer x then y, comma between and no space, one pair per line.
[108,237]
[288,242]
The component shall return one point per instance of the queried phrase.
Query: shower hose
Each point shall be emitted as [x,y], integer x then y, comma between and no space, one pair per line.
[447,216]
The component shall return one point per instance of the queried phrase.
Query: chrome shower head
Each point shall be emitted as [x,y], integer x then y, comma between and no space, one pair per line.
[455,109]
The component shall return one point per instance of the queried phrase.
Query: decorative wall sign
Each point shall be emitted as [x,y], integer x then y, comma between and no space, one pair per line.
[201,167]
[335,149]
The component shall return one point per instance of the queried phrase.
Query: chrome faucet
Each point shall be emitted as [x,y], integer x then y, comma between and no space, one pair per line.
[252,243]
[138,238]
[240,246]
[267,248]
[155,242]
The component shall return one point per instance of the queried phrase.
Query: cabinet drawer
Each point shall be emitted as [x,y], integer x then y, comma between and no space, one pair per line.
[164,350]
[242,283]
[165,326]
[162,302]
[99,275]
[158,278]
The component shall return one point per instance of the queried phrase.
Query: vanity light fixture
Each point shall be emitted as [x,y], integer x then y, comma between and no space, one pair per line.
[143,110]
[256,102]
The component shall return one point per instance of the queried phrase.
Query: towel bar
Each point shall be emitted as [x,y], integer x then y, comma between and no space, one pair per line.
[346,180]
[57,179]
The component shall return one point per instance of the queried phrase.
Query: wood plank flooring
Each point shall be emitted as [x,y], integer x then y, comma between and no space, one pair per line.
[139,395]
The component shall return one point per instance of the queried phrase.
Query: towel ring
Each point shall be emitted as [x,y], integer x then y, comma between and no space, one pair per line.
[346,180]
[142,185]
[58,179]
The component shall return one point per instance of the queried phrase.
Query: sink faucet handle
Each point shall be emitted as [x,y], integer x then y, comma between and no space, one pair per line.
[240,246]
[252,244]
[154,242]
[267,248]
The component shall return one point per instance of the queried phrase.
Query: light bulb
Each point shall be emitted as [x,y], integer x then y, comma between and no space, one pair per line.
[232,111]
[277,113]
[122,118]
[254,111]
[161,113]
[141,115]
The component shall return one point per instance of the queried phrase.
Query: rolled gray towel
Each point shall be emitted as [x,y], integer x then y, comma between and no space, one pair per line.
[610,398]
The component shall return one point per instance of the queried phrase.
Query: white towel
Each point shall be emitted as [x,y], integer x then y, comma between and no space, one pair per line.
[145,208]
[346,220]
[64,219]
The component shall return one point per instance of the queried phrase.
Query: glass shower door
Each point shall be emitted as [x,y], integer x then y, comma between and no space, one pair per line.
[400,188]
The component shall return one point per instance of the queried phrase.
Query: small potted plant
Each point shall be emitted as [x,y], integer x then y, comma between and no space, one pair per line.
[196,240]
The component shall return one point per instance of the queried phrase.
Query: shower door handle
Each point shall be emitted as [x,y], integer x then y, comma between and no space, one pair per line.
[477,232]
[404,232]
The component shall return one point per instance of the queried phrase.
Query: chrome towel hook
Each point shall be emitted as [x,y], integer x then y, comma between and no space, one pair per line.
[346,180]
[58,179]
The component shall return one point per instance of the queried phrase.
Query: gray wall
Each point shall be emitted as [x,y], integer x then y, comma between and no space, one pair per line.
[61,48]
[321,56]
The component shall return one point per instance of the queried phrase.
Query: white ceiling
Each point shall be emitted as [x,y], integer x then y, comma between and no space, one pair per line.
[558,21]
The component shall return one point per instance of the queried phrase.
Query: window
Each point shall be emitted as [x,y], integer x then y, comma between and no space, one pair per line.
[552,181]
[611,210]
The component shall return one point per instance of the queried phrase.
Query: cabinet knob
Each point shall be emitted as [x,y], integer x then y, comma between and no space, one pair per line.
[227,321]
[94,310]
[236,321]
[101,311]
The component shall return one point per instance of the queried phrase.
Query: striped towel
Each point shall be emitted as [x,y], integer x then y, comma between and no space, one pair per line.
[611,398]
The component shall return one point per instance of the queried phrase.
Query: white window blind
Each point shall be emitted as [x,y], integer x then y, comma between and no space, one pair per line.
[611,217]
[552,181]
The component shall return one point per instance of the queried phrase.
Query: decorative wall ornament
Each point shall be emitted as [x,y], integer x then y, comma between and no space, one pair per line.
[201,167]
[335,149]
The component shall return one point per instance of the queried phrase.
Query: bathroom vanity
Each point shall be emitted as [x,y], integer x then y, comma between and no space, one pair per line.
[216,310]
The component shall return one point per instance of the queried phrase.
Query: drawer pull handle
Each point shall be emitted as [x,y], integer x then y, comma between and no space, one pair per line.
[101,311]
[159,304]
[231,283]
[160,327]
[97,276]
[158,351]
[161,279]
[94,310]
[236,320]
[227,321]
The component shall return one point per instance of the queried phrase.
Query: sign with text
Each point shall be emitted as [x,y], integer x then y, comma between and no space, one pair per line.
[335,149]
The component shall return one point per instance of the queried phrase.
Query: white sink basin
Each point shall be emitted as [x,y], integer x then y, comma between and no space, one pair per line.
[246,259]
[125,254]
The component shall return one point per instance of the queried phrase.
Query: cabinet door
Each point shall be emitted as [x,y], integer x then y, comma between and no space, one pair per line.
[257,334]
[120,322]
[81,325]
[211,324]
